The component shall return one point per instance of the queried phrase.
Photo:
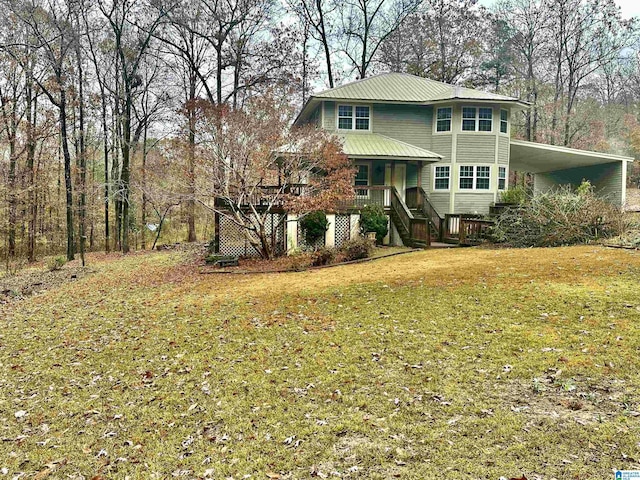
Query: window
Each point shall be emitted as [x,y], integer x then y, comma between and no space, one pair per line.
[345,117]
[477,119]
[504,121]
[466,177]
[441,178]
[362,118]
[443,119]
[483,179]
[502,178]
[362,178]
[348,121]
[485,119]
[468,119]
[475,177]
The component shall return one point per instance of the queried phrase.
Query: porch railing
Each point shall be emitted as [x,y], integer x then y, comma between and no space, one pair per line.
[369,195]
[466,229]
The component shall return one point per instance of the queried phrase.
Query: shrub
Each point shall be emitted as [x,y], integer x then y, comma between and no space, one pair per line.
[356,249]
[560,217]
[373,219]
[314,225]
[323,256]
[56,263]
[515,195]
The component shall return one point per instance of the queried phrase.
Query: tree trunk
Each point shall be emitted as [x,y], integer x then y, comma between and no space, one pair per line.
[191,203]
[67,172]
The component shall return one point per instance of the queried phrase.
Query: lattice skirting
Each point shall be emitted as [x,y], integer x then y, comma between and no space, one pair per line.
[302,242]
[343,229]
[232,239]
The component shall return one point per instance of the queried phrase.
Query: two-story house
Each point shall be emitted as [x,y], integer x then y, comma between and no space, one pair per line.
[430,152]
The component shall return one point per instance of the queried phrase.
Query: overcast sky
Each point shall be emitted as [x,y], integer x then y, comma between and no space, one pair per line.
[630,8]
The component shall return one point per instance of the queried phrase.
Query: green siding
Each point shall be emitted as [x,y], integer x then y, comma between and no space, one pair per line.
[473,202]
[407,123]
[606,178]
[440,202]
[441,144]
[503,150]
[330,115]
[476,148]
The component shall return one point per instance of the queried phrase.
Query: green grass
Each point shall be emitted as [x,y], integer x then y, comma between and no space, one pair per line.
[464,363]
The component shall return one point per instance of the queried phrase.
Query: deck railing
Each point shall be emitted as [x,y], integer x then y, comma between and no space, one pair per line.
[466,229]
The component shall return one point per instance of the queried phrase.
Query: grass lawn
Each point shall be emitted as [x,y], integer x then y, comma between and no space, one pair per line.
[456,364]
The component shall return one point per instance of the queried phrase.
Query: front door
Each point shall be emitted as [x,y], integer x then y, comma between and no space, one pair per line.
[400,179]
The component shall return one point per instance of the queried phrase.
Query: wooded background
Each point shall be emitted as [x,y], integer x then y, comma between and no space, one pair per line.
[100,100]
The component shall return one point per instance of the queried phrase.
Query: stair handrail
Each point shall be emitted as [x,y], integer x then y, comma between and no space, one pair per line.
[431,212]
[401,209]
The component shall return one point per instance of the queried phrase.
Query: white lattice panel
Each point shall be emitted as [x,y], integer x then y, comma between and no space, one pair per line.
[233,240]
[343,229]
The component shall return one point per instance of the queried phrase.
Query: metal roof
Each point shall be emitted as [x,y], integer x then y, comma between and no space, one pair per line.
[402,87]
[540,158]
[376,146]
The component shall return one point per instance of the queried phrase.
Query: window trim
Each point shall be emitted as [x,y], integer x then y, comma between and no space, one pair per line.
[353,117]
[474,178]
[477,119]
[435,120]
[433,186]
[506,178]
[505,121]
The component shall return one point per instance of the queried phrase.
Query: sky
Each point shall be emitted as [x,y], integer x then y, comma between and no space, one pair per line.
[629,8]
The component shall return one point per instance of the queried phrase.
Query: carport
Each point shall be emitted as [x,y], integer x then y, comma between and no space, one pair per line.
[553,165]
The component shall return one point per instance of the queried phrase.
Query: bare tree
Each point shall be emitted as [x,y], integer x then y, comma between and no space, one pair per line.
[366,24]
[249,175]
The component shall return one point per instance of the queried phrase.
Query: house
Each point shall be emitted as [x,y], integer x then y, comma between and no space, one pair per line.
[432,153]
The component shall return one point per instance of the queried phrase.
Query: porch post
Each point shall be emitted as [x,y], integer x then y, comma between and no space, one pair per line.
[354,223]
[292,233]
[330,234]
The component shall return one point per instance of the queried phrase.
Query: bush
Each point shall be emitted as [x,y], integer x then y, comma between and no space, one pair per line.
[373,219]
[323,256]
[56,263]
[515,195]
[356,249]
[314,225]
[560,217]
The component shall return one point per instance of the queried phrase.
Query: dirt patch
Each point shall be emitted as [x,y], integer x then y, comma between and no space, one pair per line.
[553,397]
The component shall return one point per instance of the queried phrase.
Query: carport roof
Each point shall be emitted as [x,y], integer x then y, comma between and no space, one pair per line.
[540,158]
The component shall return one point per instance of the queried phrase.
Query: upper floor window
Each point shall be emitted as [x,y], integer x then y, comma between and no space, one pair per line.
[443,119]
[441,177]
[476,119]
[352,117]
[504,121]
[474,177]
